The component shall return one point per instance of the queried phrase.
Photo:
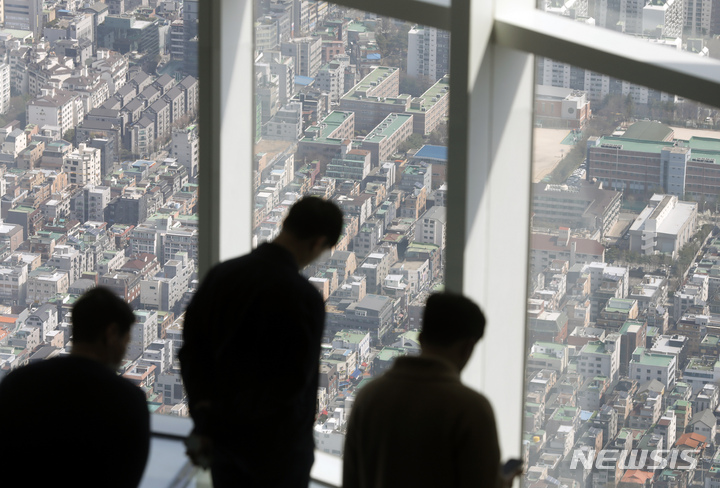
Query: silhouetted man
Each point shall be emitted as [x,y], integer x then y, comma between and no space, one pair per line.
[251,354]
[72,420]
[418,425]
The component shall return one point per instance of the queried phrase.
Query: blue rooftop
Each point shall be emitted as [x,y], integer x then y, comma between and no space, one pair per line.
[374,56]
[432,152]
[303,80]
[142,162]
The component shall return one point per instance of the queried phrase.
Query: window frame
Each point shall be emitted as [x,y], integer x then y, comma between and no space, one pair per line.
[492,84]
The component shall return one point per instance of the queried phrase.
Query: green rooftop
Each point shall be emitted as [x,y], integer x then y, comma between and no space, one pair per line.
[702,365]
[412,335]
[23,208]
[362,383]
[433,95]
[356,27]
[389,353]
[369,82]
[421,247]
[325,129]
[350,336]
[701,147]
[648,131]
[594,347]
[551,346]
[651,358]
[681,403]
[619,305]
[565,413]
[705,144]
[391,124]
[543,355]
[628,324]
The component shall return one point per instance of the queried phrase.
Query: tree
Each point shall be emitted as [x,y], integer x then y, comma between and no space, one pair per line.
[386,25]
[414,85]
[69,136]
[16,110]
[392,43]
[436,138]
[150,64]
[629,107]
[415,141]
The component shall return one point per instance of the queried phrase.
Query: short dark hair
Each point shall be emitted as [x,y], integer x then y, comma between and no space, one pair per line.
[93,313]
[312,217]
[450,318]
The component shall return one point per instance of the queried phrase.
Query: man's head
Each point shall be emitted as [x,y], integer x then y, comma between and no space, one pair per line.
[101,324]
[312,226]
[452,325]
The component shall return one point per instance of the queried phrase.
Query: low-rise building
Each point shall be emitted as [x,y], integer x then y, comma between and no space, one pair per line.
[664,226]
[701,371]
[646,366]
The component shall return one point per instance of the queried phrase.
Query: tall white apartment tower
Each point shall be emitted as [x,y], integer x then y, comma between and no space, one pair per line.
[697,15]
[4,87]
[83,166]
[664,19]
[186,149]
[428,52]
[142,333]
[631,16]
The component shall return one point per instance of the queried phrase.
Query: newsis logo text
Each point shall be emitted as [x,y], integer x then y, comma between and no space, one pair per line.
[634,459]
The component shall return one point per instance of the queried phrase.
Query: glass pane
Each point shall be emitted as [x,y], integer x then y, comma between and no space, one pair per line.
[622,364]
[353,107]
[99,178]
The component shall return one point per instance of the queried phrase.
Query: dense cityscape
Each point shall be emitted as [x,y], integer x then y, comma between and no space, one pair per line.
[622,371]
[98,177]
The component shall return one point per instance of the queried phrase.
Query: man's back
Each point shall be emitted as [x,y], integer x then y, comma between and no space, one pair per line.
[258,392]
[418,426]
[73,419]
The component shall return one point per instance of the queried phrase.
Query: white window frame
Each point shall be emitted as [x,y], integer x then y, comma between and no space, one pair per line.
[492,77]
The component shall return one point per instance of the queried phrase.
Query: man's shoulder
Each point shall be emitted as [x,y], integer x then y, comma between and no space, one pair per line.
[19,378]
[374,389]
[232,265]
[38,369]
[70,367]
[258,263]
[473,398]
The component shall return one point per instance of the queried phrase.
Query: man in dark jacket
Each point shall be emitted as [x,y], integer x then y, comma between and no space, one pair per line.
[418,425]
[250,356]
[73,418]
